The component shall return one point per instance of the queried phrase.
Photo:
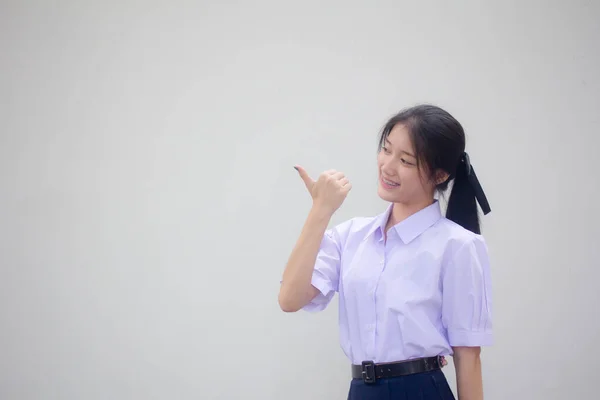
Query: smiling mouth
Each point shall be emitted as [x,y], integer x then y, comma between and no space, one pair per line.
[388,183]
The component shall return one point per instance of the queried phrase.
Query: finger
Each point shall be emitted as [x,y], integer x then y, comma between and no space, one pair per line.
[330,172]
[338,175]
[308,181]
[344,181]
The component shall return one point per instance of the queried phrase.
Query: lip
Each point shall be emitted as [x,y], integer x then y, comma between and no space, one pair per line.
[386,186]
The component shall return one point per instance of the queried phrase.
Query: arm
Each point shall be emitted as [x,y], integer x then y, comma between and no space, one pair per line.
[467,313]
[328,193]
[296,290]
[468,373]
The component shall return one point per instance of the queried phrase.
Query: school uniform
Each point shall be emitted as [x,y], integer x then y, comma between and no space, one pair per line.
[410,297]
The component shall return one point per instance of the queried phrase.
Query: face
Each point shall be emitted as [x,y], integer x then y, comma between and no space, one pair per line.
[400,180]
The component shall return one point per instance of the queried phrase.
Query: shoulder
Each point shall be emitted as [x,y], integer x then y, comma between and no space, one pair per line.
[457,235]
[461,242]
[356,227]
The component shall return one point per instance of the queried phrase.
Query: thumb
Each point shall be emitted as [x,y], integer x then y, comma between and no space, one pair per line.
[308,181]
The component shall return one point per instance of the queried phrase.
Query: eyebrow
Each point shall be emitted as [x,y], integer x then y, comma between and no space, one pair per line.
[402,151]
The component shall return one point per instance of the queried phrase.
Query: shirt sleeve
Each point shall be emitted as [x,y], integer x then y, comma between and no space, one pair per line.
[326,273]
[467,302]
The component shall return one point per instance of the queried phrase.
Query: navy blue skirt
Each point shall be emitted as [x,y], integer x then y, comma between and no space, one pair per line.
[424,386]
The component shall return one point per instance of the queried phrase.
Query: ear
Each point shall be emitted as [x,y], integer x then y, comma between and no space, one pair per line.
[440,176]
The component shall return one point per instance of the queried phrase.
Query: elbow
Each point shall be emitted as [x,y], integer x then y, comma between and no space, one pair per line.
[287,305]
[293,300]
[288,308]
[287,301]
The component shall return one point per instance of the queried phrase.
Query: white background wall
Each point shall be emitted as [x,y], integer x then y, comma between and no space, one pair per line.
[148,202]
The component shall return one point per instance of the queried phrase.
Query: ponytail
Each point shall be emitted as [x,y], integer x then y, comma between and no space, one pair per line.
[466,192]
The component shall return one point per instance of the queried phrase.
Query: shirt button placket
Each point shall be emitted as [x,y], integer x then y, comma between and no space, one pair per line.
[371,328]
[374,325]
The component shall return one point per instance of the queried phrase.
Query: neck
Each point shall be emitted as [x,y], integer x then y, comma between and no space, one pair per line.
[401,211]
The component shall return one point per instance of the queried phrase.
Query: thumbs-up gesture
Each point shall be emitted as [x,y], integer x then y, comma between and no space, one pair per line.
[329,190]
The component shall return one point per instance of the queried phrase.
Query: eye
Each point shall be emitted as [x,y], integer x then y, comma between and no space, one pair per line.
[405,162]
[385,150]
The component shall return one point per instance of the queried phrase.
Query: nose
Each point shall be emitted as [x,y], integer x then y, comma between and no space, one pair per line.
[388,169]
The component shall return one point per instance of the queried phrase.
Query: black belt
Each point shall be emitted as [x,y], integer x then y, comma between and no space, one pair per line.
[370,372]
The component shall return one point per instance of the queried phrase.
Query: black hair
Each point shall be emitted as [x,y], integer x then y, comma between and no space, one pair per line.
[439,143]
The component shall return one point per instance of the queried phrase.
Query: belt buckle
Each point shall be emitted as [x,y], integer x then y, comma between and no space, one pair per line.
[440,360]
[368,372]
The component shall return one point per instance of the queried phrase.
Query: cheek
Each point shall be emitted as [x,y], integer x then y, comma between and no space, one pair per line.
[423,176]
[410,177]
[379,161]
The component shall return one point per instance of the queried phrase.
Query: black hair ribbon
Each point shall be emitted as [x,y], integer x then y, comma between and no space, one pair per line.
[474,182]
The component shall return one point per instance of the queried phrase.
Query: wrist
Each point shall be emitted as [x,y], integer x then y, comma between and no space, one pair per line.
[320,213]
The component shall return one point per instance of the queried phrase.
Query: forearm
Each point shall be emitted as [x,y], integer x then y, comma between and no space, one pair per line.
[295,288]
[469,380]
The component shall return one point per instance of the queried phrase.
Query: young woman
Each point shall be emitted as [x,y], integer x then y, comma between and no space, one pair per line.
[414,286]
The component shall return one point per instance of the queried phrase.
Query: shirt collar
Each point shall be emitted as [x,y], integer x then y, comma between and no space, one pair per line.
[411,227]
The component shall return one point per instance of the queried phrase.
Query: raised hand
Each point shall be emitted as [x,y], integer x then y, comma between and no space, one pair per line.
[329,190]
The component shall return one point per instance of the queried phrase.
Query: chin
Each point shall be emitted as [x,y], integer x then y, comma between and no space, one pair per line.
[385,195]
